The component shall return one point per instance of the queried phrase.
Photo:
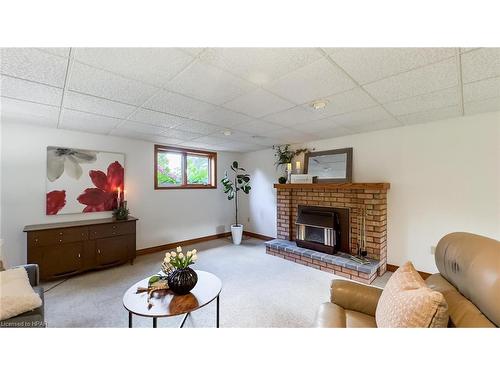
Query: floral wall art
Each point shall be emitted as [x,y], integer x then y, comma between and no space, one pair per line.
[83,180]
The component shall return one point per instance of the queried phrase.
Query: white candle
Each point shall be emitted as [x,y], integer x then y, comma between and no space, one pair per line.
[289,166]
[297,165]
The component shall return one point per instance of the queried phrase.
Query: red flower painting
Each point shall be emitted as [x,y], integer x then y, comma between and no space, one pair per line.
[103,196]
[56,200]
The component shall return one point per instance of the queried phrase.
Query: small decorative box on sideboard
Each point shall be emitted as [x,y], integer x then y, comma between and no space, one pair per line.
[65,249]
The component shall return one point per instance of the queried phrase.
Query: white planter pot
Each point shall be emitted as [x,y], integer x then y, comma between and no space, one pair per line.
[237,233]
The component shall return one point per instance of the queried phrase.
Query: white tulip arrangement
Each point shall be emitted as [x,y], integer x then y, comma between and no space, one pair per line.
[178,260]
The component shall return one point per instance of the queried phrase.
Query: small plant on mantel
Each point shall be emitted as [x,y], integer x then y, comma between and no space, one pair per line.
[284,154]
[239,182]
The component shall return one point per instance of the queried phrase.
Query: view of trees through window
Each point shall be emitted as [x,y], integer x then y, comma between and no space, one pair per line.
[197,169]
[171,164]
[169,168]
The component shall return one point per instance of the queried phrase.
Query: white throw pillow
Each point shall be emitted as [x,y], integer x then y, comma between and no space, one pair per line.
[16,294]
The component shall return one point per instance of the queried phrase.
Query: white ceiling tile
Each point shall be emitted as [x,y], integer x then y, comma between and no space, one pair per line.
[425,102]
[481,90]
[288,135]
[177,104]
[99,106]
[156,118]
[161,140]
[375,125]
[198,127]
[480,64]
[313,81]
[87,122]
[365,116]
[432,115]
[237,147]
[337,131]
[34,65]
[179,134]
[204,82]
[260,65]
[89,80]
[155,66]
[293,116]
[347,101]
[257,127]
[371,64]
[132,129]
[197,145]
[21,112]
[142,128]
[415,82]
[222,117]
[26,90]
[488,105]
[264,140]
[316,125]
[258,103]
[210,140]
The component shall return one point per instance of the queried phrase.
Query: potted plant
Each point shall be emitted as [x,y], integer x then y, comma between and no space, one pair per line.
[239,181]
[284,155]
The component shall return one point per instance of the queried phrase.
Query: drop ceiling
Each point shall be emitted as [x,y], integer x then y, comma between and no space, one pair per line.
[191,97]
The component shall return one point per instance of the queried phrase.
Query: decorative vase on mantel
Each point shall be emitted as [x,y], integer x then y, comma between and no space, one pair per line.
[181,281]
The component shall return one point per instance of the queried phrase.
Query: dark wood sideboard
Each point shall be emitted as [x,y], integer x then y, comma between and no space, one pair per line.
[66,249]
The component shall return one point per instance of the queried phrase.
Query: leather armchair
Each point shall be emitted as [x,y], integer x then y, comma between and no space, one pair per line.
[36,317]
[468,278]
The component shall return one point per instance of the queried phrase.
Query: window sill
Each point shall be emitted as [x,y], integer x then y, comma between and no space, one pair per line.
[187,187]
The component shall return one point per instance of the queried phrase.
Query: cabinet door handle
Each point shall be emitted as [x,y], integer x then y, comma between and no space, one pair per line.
[60,233]
[79,255]
[60,240]
[98,251]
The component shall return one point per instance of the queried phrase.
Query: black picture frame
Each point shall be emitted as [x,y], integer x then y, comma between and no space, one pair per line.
[347,151]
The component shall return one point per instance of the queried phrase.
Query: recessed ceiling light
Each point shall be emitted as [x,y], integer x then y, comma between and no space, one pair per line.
[227,132]
[319,104]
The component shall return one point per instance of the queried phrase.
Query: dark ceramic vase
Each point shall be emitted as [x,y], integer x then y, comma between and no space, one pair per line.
[181,281]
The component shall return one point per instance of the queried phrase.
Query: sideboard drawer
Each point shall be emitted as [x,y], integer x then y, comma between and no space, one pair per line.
[110,230]
[58,236]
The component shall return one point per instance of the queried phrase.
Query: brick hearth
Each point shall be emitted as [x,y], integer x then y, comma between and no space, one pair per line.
[354,196]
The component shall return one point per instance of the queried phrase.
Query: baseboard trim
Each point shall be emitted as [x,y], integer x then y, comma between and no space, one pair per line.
[257,235]
[173,245]
[393,267]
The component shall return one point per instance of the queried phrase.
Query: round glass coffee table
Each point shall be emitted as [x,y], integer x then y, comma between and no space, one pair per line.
[166,303]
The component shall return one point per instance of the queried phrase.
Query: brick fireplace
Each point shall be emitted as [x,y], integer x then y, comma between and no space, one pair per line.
[372,197]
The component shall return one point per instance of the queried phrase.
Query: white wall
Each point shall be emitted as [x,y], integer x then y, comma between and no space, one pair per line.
[445,177]
[164,215]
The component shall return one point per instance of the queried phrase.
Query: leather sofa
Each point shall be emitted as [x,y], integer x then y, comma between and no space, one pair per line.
[36,317]
[468,278]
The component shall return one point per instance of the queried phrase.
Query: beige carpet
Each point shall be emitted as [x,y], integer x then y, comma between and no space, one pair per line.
[258,290]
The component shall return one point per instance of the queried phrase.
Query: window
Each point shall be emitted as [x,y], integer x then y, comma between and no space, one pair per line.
[179,168]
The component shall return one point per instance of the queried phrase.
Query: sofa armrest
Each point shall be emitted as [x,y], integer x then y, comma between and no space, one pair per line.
[354,296]
[33,273]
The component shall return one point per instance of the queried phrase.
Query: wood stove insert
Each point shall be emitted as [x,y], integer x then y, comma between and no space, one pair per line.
[324,229]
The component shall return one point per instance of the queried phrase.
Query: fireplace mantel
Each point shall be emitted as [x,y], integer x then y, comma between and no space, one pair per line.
[344,186]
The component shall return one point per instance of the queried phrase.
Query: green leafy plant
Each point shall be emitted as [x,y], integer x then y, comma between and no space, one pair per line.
[282,180]
[121,213]
[284,154]
[239,181]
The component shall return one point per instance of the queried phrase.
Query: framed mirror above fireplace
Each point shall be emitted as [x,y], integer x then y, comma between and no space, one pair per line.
[332,166]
